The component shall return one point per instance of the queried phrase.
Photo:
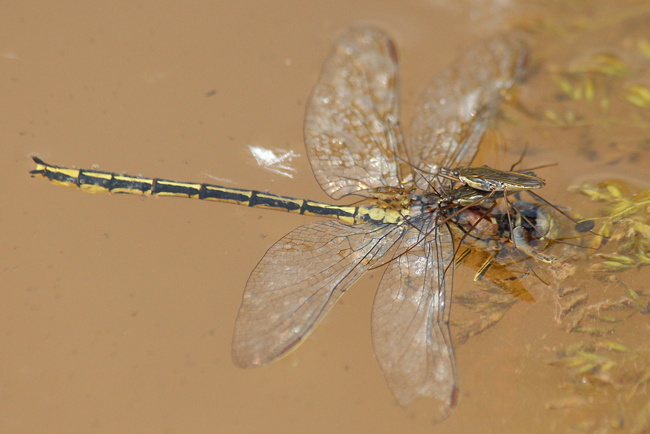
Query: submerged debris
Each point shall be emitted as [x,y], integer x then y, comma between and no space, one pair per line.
[625,225]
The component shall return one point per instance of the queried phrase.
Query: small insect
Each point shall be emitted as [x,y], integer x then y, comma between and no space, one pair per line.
[485,178]
[355,147]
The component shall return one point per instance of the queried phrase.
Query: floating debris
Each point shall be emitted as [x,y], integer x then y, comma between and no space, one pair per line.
[625,227]
[601,63]
[638,95]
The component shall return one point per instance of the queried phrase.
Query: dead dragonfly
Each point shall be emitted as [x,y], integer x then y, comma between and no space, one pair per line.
[355,147]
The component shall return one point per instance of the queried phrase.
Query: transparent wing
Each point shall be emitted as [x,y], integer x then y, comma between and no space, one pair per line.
[351,122]
[298,280]
[410,320]
[455,108]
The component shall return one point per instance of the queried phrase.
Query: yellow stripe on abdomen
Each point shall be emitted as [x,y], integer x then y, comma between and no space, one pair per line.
[92,181]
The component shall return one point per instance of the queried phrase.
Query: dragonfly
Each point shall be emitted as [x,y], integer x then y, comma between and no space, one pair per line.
[355,147]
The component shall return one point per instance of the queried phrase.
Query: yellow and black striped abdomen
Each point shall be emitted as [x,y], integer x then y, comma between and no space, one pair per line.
[93,181]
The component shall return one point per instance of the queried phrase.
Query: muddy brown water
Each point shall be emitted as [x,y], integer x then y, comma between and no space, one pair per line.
[117,312]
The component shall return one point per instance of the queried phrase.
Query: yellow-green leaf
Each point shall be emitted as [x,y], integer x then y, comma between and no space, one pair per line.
[564,84]
[644,47]
[613,346]
[589,89]
[638,95]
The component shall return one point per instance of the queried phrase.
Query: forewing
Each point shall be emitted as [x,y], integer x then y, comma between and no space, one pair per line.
[455,109]
[351,122]
[298,280]
[410,320]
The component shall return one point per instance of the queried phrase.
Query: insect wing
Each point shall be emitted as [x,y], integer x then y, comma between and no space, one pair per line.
[410,320]
[454,110]
[298,281]
[351,122]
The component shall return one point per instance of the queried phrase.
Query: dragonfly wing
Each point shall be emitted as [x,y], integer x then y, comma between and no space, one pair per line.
[455,109]
[298,280]
[351,121]
[410,320]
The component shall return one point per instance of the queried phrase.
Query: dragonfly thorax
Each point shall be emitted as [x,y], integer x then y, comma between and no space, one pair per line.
[397,198]
[423,204]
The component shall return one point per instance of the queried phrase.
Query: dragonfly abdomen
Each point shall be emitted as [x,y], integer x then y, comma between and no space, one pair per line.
[94,181]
